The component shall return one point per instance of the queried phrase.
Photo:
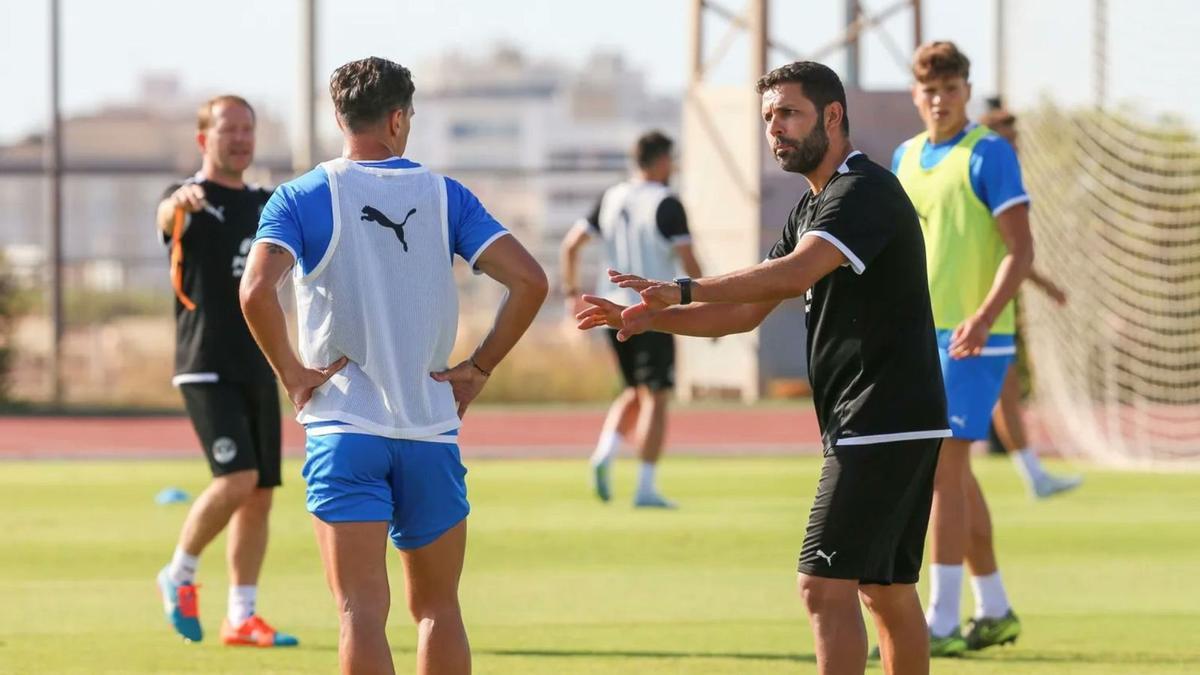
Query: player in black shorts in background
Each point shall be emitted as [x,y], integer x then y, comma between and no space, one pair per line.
[209,222]
[853,247]
[643,228]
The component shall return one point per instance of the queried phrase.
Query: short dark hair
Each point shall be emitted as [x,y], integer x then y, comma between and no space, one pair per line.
[935,60]
[204,116]
[366,90]
[997,117]
[650,146]
[821,85]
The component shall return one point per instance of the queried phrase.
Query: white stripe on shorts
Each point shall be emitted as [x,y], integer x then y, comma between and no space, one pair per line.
[194,378]
[892,438]
[1008,350]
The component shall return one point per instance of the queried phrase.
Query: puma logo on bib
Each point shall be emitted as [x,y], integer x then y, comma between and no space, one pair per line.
[372,214]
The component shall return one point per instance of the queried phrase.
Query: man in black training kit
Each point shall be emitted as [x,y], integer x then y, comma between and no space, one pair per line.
[209,222]
[853,247]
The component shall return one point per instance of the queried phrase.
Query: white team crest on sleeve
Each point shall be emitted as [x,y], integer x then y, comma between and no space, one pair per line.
[239,260]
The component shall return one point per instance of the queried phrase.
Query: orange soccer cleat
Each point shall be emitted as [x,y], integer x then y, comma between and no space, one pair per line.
[254,632]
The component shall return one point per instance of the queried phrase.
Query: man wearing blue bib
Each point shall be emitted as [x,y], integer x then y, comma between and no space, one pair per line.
[965,184]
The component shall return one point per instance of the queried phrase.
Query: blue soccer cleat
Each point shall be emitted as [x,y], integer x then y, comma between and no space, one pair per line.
[601,474]
[181,606]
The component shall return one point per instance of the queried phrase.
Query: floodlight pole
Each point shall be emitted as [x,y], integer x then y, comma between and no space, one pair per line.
[853,51]
[52,162]
[304,150]
[756,16]
[918,36]
[1100,51]
[1001,53]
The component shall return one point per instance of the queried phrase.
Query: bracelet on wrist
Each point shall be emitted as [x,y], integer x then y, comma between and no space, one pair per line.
[486,373]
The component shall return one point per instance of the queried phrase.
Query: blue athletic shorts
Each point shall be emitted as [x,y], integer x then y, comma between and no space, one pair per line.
[418,487]
[973,384]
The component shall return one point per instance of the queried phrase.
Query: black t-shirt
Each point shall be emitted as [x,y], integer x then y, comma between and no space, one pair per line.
[214,338]
[670,218]
[872,350]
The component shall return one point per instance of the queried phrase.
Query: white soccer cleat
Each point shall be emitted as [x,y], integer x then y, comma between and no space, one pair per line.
[1048,485]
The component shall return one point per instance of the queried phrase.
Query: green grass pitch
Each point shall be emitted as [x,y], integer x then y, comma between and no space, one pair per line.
[1105,580]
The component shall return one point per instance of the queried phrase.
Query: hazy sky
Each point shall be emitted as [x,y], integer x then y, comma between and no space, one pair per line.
[251,46]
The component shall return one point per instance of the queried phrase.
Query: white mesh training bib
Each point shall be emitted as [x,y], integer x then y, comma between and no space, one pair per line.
[383,296]
[632,241]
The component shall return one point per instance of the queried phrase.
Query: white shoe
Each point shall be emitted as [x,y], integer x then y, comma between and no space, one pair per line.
[653,500]
[1048,485]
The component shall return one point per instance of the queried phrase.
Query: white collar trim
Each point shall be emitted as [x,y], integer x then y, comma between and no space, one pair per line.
[844,168]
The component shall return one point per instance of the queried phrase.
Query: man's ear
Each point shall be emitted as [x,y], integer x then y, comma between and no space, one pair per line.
[202,141]
[834,112]
[397,120]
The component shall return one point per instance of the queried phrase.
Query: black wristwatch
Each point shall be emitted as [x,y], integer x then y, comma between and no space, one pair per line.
[685,290]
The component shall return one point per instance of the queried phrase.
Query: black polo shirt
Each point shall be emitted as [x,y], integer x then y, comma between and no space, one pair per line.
[212,342]
[872,351]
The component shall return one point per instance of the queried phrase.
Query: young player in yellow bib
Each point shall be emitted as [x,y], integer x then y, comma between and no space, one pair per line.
[965,183]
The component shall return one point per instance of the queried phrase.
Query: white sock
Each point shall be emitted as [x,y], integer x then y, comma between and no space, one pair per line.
[606,447]
[646,479]
[945,596]
[1028,465]
[182,568]
[990,599]
[241,603]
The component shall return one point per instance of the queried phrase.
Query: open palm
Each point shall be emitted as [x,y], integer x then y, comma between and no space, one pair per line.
[628,321]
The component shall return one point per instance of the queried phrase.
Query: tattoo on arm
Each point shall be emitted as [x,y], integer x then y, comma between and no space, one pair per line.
[276,249]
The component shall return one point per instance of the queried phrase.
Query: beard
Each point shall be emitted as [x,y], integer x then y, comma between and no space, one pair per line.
[806,154]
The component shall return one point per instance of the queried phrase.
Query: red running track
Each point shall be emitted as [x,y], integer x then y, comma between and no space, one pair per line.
[486,433]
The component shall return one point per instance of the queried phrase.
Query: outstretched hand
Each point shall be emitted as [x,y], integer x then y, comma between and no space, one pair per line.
[628,321]
[190,197]
[303,383]
[466,381]
[655,294]
[599,313]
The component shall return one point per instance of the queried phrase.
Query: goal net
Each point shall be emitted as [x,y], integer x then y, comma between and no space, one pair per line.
[1116,220]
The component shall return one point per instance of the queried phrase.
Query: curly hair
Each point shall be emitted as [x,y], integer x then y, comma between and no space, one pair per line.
[366,90]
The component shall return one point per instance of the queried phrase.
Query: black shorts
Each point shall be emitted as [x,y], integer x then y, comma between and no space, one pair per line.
[239,426]
[647,359]
[869,517]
